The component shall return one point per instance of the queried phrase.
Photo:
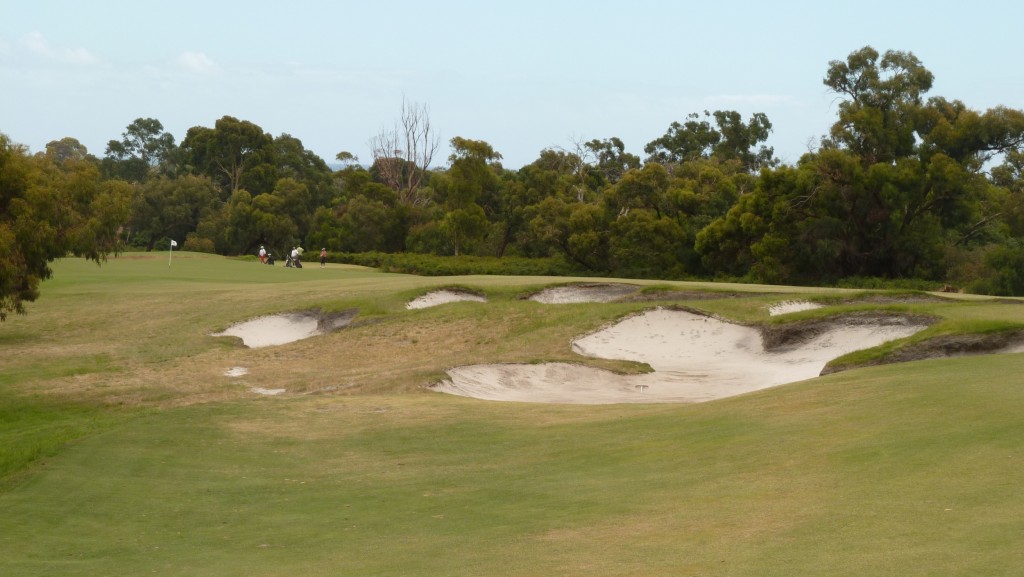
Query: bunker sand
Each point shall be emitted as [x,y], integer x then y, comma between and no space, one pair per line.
[694,359]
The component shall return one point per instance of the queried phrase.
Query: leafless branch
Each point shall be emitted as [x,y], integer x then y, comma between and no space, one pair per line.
[403,153]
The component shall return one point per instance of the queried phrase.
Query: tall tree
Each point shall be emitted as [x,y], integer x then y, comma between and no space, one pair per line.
[611,158]
[880,101]
[728,139]
[690,140]
[67,149]
[472,175]
[402,154]
[144,146]
[226,151]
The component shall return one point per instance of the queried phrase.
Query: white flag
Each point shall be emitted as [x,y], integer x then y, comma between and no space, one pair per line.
[174,243]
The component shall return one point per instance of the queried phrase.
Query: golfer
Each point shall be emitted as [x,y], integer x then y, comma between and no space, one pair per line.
[323,257]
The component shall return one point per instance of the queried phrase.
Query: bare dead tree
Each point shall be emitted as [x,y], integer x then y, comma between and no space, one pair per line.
[404,152]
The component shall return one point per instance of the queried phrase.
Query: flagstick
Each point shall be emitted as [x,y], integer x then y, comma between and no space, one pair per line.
[170,251]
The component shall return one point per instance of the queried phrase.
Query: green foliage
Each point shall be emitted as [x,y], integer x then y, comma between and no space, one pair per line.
[471,179]
[729,140]
[877,283]
[1007,272]
[172,207]
[49,210]
[195,243]
[612,160]
[876,120]
[644,245]
[227,152]
[67,149]
[144,150]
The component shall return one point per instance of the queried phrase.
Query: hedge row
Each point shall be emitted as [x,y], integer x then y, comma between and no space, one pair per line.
[433,265]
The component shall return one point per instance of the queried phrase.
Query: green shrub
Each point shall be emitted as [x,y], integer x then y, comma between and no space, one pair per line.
[889,284]
[433,265]
[196,243]
[1005,266]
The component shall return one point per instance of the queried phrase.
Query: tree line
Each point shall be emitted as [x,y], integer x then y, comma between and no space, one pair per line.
[900,187]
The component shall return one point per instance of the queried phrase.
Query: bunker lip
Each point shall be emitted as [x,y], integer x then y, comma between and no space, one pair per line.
[284,328]
[444,296]
[694,358]
[786,307]
[947,346]
[584,293]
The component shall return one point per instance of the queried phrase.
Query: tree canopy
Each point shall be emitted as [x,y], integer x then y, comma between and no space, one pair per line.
[51,206]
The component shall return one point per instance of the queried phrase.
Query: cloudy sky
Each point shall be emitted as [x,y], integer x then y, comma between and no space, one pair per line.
[523,76]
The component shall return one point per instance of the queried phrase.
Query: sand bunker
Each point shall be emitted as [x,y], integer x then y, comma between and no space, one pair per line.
[286,328]
[695,358]
[787,307]
[441,297]
[267,392]
[584,293]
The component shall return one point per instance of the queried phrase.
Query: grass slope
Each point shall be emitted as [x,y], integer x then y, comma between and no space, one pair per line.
[150,461]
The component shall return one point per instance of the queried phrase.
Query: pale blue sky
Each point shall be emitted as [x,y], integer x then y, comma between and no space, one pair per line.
[523,76]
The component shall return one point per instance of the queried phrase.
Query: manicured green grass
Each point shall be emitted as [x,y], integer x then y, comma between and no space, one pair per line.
[172,468]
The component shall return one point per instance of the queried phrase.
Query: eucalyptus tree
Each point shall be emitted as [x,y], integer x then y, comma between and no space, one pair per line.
[897,187]
[728,139]
[67,149]
[471,179]
[49,209]
[881,95]
[225,152]
[144,147]
[611,159]
[563,174]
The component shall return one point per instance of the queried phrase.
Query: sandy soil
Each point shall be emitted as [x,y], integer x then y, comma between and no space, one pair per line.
[273,330]
[286,328]
[695,358]
[435,298]
[784,308]
[584,293]
[267,392]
